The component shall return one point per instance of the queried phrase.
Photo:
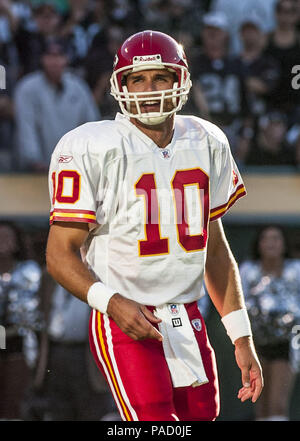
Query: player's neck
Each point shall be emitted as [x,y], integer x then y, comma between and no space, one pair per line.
[161,134]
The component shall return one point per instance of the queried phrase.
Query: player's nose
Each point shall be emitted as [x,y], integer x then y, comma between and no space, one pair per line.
[149,84]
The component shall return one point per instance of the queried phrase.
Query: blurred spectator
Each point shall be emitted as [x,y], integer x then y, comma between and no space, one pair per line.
[99,19]
[236,11]
[156,15]
[127,14]
[82,22]
[293,136]
[77,14]
[271,284]
[98,65]
[297,152]
[295,248]
[297,4]
[218,86]
[8,20]
[261,71]
[266,145]
[179,18]
[49,103]
[21,316]
[284,46]
[6,126]
[67,387]
[30,40]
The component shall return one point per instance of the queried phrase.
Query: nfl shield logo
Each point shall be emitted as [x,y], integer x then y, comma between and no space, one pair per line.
[165,153]
[174,309]
[197,324]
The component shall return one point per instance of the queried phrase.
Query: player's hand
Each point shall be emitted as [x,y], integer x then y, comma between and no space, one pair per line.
[133,318]
[247,361]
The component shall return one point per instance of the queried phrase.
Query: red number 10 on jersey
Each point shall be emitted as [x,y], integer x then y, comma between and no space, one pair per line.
[58,193]
[154,243]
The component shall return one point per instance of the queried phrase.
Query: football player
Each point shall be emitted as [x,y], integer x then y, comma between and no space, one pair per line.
[142,198]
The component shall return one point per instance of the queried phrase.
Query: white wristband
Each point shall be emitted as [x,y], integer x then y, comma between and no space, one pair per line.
[237,324]
[99,295]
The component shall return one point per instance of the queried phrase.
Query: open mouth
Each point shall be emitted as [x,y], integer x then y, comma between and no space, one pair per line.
[150,106]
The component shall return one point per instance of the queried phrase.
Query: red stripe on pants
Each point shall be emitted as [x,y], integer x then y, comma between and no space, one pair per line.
[138,374]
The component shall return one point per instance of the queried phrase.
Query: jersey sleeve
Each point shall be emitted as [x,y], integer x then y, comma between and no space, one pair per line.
[73,181]
[226,183]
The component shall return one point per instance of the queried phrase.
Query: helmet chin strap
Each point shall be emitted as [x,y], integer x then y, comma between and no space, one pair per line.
[152,120]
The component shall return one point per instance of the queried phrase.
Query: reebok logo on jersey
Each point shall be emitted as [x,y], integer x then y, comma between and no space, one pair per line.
[176,322]
[65,159]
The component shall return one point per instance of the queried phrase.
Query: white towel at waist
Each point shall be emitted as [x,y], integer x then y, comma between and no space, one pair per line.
[180,346]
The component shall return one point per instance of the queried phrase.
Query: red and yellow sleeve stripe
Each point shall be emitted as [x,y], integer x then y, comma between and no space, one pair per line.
[217,212]
[67,215]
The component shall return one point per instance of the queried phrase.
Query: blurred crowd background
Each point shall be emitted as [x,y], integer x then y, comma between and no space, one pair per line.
[58,57]
[244,58]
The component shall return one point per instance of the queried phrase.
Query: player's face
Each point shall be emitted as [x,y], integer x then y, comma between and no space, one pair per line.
[150,81]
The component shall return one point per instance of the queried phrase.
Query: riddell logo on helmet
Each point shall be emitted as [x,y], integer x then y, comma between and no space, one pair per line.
[146,59]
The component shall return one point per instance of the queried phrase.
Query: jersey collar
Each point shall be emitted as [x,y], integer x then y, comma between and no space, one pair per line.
[148,141]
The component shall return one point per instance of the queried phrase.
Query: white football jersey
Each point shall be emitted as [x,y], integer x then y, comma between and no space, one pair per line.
[148,208]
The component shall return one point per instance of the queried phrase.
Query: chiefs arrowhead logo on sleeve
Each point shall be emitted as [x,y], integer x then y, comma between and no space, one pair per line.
[235,178]
[237,192]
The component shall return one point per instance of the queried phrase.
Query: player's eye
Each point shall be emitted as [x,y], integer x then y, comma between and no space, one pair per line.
[137,80]
[163,79]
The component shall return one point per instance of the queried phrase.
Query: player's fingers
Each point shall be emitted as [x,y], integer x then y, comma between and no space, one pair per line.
[245,397]
[252,392]
[154,333]
[146,330]
[257,390]
[149,332]
[149,315]
[243,391]
[244,394]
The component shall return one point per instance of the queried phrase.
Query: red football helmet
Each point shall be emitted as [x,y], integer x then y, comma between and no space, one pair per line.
[150,50]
